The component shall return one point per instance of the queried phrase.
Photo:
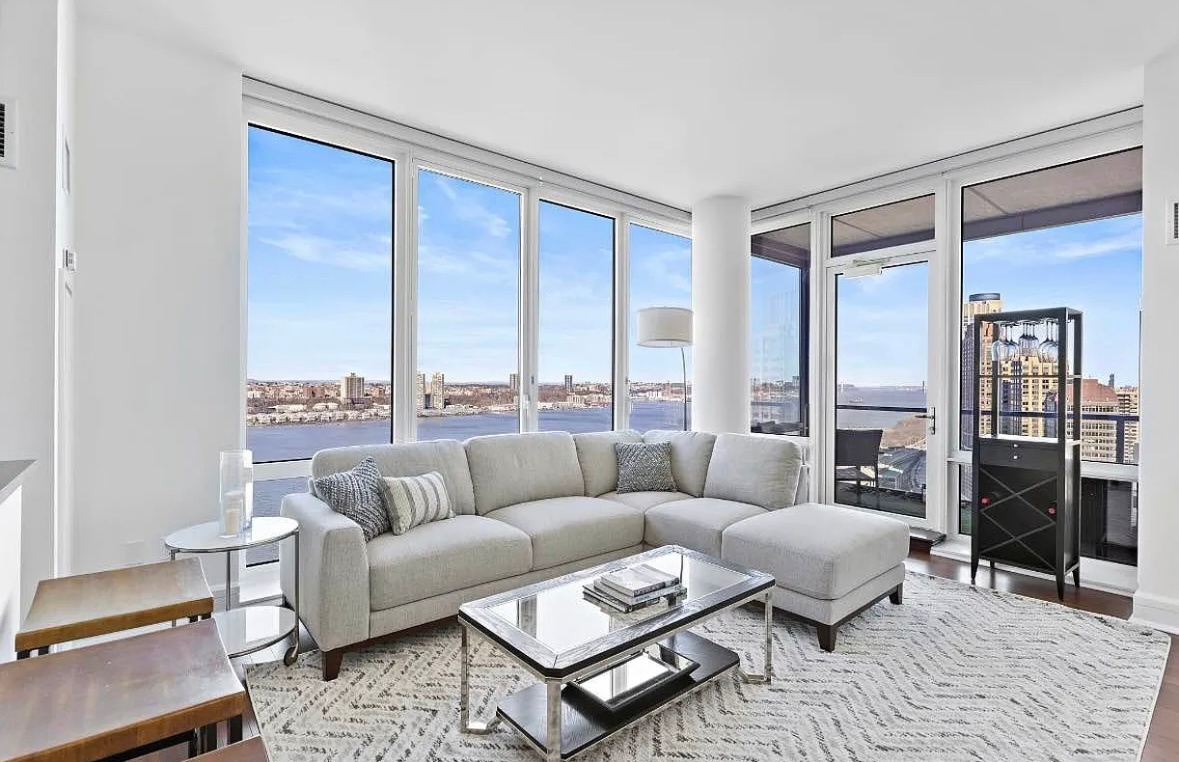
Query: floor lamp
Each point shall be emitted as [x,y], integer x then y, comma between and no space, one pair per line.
[668,327]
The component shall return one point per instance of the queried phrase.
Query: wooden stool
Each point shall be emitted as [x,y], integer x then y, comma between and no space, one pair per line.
[143,692]
[250,750]
[88,605]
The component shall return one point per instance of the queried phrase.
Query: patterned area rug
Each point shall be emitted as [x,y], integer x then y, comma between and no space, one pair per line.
[956,673]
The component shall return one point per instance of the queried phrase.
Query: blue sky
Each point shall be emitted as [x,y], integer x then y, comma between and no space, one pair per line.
[1095,267]
[320,263]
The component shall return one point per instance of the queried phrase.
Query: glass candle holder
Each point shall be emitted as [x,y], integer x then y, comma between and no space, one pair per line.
[237,492]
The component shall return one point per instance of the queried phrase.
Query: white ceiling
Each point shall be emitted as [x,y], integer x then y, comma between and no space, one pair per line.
[677,100]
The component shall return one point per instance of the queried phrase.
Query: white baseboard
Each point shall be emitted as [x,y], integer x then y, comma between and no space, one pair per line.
[1156,611]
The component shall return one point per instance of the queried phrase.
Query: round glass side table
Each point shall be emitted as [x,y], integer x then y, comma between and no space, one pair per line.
[246,629]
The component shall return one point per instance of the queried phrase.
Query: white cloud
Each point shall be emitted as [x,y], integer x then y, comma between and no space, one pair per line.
[470,210]
[1060,245]
[374,255]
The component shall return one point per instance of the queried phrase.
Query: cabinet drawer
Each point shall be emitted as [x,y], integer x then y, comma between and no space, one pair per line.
[1019,454]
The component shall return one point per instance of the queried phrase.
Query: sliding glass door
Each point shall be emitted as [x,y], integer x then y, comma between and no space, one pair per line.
[880,395]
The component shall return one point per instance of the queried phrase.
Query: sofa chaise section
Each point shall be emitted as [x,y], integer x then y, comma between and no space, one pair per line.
[829,563]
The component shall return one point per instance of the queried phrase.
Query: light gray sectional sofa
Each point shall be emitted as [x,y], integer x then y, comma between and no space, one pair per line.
[535,506]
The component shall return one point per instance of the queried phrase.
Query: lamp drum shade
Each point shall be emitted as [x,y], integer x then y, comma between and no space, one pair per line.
[665,327]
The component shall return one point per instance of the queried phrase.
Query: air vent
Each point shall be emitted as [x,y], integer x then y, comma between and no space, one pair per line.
[1172,222]
[7,133]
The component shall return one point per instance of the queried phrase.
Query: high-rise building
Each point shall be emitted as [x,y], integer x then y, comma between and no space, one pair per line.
[514,383]
[569,383]
[977,304]
[1128,405]
[1099,438]
[420,393]
[438,391]
[352,388]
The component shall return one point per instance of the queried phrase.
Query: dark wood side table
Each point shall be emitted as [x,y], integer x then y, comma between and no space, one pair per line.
[249,750]
[88,605]
[102,700]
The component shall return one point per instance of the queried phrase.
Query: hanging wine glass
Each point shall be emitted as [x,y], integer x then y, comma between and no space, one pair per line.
[1049,349]
[1009,348]
[1029,342]
[997,348]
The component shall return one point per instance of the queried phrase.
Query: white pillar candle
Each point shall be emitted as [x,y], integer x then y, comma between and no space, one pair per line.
[234,504]
[233,521]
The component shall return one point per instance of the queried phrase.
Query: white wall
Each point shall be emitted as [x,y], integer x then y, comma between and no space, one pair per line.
[1157,599]
[159,201]
[28,73]
[720,303]
[10,559]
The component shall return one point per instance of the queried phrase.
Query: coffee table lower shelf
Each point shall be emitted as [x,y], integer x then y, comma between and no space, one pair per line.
[585,724]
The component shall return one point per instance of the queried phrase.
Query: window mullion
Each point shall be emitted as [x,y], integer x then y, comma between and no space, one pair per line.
[529,311]
[622,309]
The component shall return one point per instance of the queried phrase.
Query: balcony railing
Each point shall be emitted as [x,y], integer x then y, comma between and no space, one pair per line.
[1120,421]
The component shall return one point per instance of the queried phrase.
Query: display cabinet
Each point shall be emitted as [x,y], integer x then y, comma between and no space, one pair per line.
[1026,411]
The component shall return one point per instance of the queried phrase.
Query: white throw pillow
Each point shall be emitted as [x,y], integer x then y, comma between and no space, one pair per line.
[417,500]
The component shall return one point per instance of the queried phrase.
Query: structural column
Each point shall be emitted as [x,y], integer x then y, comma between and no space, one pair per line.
[1157,599]
[720,302]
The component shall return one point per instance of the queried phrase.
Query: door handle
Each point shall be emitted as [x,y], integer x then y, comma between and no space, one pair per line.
[931,416]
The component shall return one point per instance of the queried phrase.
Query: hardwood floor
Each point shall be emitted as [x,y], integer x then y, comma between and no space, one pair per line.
[1162,742]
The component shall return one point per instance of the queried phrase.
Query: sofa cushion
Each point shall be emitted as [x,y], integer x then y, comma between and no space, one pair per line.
[644,501]
[507,469]
[443,556]
[644,467]
[823,551]
[595,455]
[690,453]
[568,529]
[696,523]
[757,470]
[446,456]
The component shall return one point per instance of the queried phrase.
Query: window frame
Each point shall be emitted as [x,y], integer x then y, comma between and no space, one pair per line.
[946,178]
[301,116]
[804,319]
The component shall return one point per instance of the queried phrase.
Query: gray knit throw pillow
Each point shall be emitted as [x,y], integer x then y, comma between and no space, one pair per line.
[358,494]
[644,467]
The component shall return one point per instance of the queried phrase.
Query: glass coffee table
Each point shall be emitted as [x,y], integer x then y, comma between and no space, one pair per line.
[554,632]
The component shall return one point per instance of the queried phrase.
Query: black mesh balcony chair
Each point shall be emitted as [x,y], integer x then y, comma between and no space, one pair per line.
[856,451]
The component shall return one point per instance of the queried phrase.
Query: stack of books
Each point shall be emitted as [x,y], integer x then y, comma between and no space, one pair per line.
[633,588]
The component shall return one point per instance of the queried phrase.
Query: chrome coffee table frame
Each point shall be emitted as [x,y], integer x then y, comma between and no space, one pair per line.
[613,650]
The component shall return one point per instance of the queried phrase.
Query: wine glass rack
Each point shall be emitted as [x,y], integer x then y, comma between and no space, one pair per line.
[1026,448]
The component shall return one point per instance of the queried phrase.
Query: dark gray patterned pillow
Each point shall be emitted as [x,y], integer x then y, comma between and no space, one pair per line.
[644,467]
[358,494]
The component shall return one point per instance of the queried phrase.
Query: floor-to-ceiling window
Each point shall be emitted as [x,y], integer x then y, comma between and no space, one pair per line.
[1067,236]
[576,358]
[779,328]
[405,286]
[660,276]
[319,289]
[468,296]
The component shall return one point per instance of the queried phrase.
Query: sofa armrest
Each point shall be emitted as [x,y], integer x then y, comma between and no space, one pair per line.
[333,572]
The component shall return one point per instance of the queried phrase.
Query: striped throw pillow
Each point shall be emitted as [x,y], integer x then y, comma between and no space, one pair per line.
[416,500]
